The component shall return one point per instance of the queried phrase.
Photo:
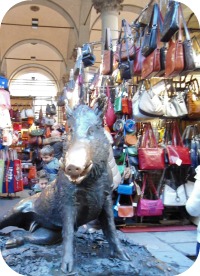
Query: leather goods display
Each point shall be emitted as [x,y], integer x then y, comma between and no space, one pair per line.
[175,55]
[127,106]
[118,104]
[189,63]
[149,207]
[175,194]
[49,121]
[110,116]
[88,57]
[151,64]
[196,52]
[151,157]
[139,58]
[177,153]
[126,189]
[151,32]
[137,115]
[171,21]
[107,59]
[125,45]
[130,126]
[193,103]
[130,139]
[121,210]
[50,109]
[126,69]
[150,104]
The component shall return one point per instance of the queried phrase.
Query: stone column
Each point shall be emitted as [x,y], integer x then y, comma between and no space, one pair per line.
[109,10]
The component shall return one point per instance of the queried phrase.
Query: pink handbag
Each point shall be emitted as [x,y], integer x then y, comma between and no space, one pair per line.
[110,116]
[149,207]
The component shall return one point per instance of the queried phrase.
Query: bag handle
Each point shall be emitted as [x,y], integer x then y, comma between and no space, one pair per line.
[176,136]
[187,34]
[148,137]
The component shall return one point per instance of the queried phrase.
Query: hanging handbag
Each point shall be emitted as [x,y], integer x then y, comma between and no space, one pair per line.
[189,63]
[110,116]
[126,189]
[193,100]
[171,21]
[88,57]
[151,32]
[175,55]
[174,195]
[125,45]
[50,109]
[107,59]
[177,153]
[196,52]
[151,157]
[139,58]
[149,207]
[150,104]
[122,210]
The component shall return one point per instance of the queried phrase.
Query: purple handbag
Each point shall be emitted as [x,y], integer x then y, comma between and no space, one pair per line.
[149,207]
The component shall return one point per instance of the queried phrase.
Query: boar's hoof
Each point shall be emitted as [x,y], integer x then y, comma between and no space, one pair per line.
[67,265]
[124,256]
[15,242]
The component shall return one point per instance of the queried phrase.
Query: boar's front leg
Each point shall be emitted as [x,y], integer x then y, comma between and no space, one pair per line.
[68,239]
[106,219]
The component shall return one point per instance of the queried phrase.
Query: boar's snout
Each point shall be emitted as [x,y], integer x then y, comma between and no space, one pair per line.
[78,163]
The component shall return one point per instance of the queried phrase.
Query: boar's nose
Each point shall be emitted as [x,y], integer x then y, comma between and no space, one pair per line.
[73,170]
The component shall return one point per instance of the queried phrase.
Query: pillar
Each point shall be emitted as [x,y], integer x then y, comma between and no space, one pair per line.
[109,10]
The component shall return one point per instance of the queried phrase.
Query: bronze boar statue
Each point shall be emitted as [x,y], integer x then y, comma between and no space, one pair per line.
[81,193]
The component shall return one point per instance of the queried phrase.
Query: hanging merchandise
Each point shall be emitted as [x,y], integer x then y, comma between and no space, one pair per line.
[150,38]
[78,63]
[5,98]
[125,45]
[5,118]
[171,21]
[151,157]
[50,109]
[149,207]
[196,52]
[62,97]
[177,153]
[123,210]
[107,58]
[139,58]
[193,99]
[88,57]
[175,54]
[110,116]
[3,82]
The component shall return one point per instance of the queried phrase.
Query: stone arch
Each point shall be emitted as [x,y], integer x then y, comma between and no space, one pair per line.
[38,66]
[53,6]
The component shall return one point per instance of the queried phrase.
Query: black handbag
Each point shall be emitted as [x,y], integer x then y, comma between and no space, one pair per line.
[189,64]
[50,109]
[88,57]
[149,43]
[126,69]
[171,21]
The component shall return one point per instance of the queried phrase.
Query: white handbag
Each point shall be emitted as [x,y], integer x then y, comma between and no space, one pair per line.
[150,104]
[137,115]
[178,197]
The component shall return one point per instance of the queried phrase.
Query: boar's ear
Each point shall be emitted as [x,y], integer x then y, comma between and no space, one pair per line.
[100,106]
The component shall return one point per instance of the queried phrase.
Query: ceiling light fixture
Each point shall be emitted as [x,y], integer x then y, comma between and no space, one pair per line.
[35,23]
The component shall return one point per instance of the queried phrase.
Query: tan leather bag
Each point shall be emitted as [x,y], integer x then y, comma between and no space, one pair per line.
[193,105]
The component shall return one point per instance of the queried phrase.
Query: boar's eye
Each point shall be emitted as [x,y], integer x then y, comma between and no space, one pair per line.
[90,131]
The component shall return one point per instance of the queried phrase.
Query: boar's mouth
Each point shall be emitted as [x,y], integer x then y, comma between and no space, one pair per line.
[77,179]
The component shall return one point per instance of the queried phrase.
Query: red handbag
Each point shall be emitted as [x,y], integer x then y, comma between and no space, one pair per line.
[107,60]
[149,207]
[18,176]
[177,153]
[110,116]
[150,156]
[126,106]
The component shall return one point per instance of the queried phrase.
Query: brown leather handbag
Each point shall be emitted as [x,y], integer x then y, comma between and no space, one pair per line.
[175,55]
[193,104]
[107,59]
